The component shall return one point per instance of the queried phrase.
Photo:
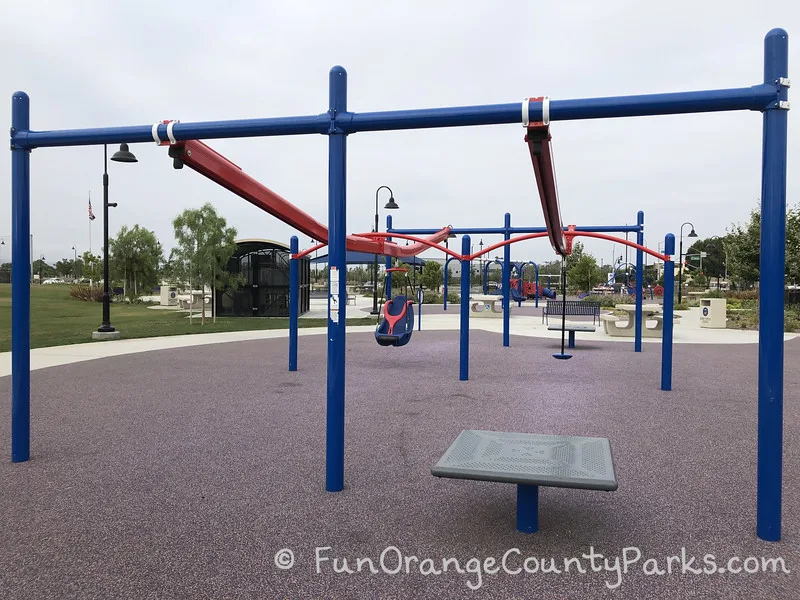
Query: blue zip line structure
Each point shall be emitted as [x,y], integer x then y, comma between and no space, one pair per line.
[769,98]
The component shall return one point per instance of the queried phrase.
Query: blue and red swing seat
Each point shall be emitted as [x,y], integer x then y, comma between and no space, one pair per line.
[397,325]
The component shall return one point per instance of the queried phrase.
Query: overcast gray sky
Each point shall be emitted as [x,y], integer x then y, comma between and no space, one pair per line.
[95,64]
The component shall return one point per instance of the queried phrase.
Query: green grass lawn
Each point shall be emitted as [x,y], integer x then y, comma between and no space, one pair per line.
[57,319]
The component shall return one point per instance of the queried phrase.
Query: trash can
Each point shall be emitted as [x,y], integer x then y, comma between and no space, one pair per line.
[713,313]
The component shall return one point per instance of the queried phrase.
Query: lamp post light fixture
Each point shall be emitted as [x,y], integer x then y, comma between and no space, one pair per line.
[123,155]
[75,263]
[691,234]
[390,205]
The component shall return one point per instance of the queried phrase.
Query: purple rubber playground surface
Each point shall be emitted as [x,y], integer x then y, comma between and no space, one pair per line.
[181,473]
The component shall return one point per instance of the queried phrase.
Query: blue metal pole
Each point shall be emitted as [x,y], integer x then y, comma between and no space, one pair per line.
[669,305]
[20,284]
[520,267]
[388,286]
[749,98]
[527,508]
[294,297]
[637,344]
[507,283]
[537,284]
[771,290]
[207,130]
[337,237]
[464,306]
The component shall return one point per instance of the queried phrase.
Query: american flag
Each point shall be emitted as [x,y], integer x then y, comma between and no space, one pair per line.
[91,214]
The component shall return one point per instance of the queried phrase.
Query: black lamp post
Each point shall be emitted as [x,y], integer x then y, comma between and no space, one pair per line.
[390,205]
[123,155]
[480,265]
[691,234]
[75,263]
[314,243]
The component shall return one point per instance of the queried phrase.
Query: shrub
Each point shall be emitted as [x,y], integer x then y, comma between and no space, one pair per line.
[791,321]
[606,301]
[431,297]
[715,294]
[86,293]
[744,295]
[733,303]
[681,306]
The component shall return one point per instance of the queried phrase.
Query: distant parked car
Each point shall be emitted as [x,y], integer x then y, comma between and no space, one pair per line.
[53,280]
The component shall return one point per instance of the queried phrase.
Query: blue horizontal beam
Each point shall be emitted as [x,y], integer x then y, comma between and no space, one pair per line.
[757,97]
[204,130]
[518,230]
[750,98]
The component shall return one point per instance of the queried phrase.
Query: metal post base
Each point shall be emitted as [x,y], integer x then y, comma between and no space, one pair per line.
[106,335]
[527,508]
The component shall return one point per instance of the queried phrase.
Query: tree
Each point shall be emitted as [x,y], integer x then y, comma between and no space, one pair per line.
[744,246]
[204,245]
[137,256]
[585,273]
[63,267]
[552,267]
[431,276]
[576,256]
[793,245]
[41,268]
[92,266]
[714,261]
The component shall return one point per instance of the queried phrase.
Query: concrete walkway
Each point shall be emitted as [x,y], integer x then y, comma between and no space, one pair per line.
[687,331]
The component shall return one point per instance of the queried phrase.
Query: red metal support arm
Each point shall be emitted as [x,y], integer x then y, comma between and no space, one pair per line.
[538,140]
[206,161]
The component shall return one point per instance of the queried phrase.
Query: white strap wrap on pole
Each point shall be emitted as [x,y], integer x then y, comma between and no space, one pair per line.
[170,135]
[526,105]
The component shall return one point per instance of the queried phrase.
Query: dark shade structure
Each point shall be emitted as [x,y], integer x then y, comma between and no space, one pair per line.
[265,290]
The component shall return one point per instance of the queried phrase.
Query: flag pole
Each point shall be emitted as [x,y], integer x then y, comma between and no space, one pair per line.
[90,225]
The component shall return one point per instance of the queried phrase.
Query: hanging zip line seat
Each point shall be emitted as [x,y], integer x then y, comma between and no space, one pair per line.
[397,324]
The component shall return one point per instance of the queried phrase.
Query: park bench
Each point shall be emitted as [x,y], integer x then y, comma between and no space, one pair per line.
[571,308]
[351,299]
[571,328]
[530,460]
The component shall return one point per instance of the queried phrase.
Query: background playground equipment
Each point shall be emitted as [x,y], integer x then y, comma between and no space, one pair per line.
[628,284]
[769,97]
[507,231]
